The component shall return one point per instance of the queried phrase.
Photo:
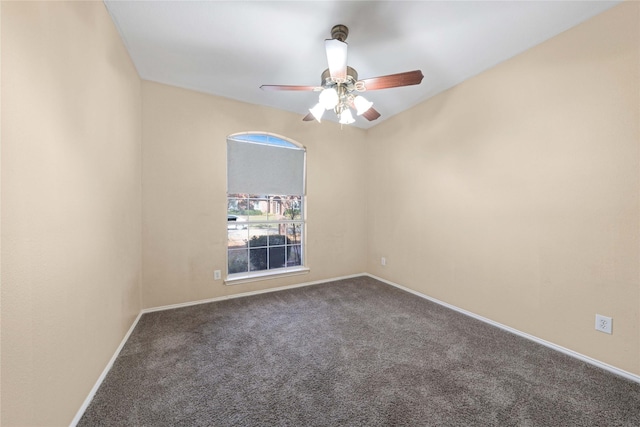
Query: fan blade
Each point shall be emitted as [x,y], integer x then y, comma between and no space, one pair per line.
[371,114]
[289,87]
[393,80]
[309,117]
[337,59]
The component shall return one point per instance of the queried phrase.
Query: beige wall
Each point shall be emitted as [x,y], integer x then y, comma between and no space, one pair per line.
[71,205]
[184,193]
[515,194]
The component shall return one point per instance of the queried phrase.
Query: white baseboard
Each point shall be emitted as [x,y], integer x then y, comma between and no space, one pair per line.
[548,344]
[103,375]
[246,294]
[590,360]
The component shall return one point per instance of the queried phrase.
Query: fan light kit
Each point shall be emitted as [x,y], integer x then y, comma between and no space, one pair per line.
[339,84]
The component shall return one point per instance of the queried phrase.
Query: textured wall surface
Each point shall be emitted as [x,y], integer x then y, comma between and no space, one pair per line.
[184,193]
[71,205]
[514,195]
[518,191]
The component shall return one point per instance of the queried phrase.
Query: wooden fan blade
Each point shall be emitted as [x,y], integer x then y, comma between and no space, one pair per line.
[371,114]
[289,87]
[393,80]
[337,59]
[309,117]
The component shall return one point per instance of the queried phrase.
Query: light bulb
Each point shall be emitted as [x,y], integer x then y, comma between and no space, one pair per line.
[317,111]
[329,98]
[362,105]
[346,117]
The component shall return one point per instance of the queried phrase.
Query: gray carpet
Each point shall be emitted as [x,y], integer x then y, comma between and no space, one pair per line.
[355,352]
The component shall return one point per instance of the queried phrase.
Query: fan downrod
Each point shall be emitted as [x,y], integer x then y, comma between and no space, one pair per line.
[339,32]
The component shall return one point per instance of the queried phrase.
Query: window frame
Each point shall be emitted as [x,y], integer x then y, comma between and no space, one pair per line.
[275,219]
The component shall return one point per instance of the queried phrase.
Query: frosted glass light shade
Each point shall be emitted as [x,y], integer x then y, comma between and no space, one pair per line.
[317,111]
[362,104]
[346,117]
[329,98]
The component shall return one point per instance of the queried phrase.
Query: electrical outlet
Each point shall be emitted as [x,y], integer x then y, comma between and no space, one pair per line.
[603,323]
[217,275]
[383,261]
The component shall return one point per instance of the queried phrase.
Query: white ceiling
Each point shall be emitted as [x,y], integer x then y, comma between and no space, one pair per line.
[230,48]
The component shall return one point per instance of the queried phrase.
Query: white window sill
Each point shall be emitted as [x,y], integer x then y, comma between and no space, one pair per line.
[237,279]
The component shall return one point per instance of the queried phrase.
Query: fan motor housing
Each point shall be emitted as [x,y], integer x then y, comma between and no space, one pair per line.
[327,81]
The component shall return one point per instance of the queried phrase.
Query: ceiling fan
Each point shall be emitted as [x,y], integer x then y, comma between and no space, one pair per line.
[339,85]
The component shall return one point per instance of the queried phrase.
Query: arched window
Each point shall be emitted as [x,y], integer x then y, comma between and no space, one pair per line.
[265,205]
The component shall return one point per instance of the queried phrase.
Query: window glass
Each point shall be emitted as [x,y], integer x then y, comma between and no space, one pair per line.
[264,232]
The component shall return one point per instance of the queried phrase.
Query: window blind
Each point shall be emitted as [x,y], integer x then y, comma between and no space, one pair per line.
[255,168]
